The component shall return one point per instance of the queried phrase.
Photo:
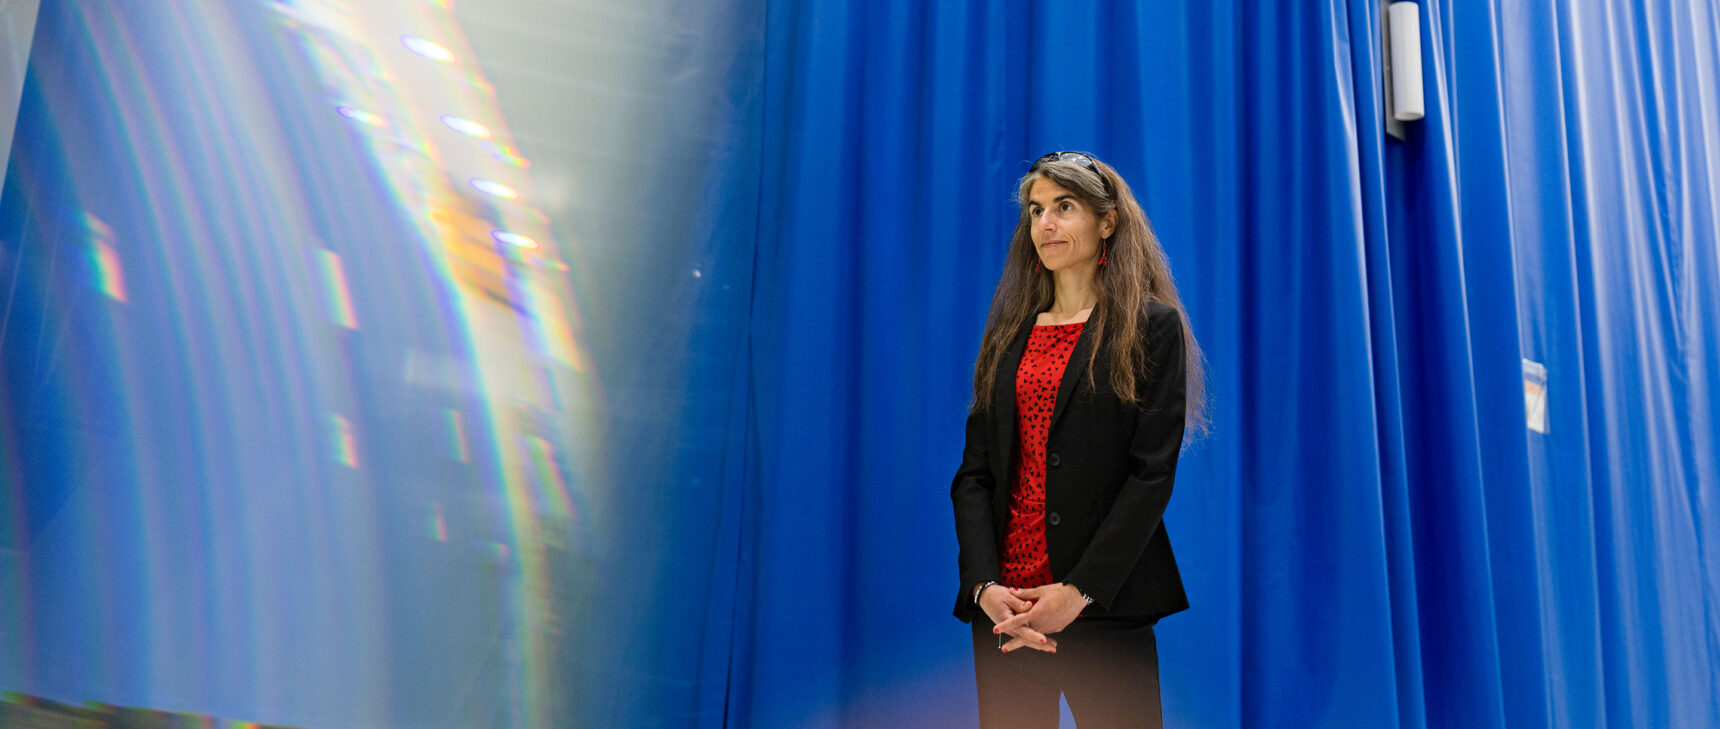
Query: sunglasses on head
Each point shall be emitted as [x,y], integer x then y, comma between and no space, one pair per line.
[1077,158]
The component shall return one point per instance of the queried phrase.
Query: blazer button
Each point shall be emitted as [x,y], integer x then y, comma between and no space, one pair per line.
[1053,460]
[1053,519]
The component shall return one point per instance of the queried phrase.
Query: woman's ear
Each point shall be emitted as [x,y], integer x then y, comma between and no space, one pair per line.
[1108,224]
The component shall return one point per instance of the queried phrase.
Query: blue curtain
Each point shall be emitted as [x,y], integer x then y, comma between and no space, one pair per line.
[1372,536]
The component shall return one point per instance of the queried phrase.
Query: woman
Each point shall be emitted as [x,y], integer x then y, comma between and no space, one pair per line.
[1085,380]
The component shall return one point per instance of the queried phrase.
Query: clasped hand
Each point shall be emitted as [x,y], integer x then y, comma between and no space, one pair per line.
[1029,616]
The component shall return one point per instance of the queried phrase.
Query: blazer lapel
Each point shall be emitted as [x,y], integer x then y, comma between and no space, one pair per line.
[1003,400]
[1073,372]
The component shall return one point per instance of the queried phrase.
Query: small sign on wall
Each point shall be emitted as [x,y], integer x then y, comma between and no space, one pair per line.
[1535,394]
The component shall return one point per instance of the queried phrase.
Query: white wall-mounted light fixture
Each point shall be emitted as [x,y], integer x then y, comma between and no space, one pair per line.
[1401,38]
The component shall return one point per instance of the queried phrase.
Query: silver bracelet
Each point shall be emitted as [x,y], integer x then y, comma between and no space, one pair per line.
[977,591]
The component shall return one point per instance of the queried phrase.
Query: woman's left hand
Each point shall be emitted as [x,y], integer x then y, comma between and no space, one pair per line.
[1054,608]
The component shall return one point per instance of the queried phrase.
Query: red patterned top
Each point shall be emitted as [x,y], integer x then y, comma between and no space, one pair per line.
[1025,561]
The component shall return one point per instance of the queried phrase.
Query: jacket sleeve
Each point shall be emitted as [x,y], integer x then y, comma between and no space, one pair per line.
[1140,505]
[976,534]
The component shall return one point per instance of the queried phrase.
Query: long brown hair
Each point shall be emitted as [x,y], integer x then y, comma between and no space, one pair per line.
[1136,272]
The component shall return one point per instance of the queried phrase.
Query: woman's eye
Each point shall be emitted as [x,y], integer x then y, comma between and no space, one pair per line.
[1068,207]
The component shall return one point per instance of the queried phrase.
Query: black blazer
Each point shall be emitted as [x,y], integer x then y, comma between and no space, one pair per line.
[1109,470]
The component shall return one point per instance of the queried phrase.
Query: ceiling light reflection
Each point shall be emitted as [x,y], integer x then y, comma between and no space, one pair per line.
[513,239]
[360,116]
[491,187]
[427,48]
[466,126]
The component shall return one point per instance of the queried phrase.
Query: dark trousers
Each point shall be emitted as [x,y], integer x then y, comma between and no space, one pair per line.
[1108,668]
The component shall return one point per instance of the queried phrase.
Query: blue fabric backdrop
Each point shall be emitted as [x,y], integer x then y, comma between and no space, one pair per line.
[1371,535]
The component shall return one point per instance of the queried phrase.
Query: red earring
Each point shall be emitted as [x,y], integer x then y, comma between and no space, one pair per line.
[1037,267]
[1102,257]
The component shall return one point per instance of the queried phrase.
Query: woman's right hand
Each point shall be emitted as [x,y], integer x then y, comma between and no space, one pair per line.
[1000,604]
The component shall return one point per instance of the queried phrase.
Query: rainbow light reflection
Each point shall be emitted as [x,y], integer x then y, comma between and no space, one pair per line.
[104,259]
[262,457]
[508,155]
[523,361]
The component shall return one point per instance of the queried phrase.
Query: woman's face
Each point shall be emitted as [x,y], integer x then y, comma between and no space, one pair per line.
[1066,232]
